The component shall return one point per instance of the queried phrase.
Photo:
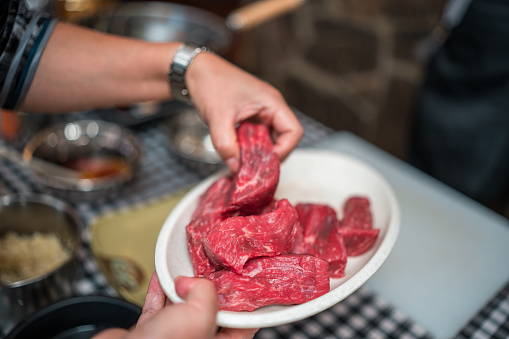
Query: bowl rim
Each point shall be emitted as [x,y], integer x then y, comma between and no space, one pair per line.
[84,184]
[281,317]
[46,312]
[59,205]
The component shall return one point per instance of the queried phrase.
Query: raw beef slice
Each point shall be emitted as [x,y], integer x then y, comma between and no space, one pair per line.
[357,213]
[256,181]
[318,236]
[357,240]
[356,227]
[237,239]
[206,215]
[283,280]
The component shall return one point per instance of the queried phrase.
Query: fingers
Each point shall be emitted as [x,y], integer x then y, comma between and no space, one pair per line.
[199,310]
[226,95]
[288,131]
[224,138]
[193,319]
[285,125]
[155,300]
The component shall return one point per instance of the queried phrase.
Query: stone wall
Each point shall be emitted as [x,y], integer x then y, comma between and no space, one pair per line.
[351,64]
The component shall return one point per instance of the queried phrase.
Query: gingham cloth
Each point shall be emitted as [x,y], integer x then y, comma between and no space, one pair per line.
[361,315]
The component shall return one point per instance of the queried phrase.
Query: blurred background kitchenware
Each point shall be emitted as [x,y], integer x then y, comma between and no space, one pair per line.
[34,217]
[162,21]
[77,318]
[37,164]
[76,10]
[166,21]
[17,128]
[189,138]
[258,12]
[105,154]
[139,113]
[70,10]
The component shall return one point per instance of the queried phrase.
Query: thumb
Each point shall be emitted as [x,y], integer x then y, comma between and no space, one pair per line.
[224,138]
[200,298]
[199,292]
[193,319]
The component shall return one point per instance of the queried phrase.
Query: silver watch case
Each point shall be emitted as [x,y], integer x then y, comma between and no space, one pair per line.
[178,68]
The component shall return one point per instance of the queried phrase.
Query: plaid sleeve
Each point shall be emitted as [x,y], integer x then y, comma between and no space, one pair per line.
[23,36]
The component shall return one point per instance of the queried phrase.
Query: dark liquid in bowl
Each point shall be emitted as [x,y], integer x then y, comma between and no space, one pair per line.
[98,166]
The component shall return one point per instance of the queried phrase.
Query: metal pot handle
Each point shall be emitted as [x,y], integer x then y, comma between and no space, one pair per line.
[258,12]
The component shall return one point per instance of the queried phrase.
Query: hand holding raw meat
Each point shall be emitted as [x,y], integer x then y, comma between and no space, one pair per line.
[248,97]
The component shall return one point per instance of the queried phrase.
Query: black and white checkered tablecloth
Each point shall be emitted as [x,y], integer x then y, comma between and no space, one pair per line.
[361,315]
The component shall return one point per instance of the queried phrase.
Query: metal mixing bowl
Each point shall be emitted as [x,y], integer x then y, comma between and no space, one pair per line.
[104,155]
[189,138]
[26,214]
[162,21]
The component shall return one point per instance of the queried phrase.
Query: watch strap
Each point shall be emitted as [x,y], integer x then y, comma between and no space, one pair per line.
[178,68]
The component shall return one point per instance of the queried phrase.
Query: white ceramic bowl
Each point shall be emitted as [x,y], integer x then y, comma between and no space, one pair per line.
[306,176]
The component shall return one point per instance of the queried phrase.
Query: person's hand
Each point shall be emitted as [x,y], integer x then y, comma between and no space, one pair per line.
[225,95]
[195,318]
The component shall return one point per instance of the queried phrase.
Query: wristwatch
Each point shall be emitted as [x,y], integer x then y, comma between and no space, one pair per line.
[178,68]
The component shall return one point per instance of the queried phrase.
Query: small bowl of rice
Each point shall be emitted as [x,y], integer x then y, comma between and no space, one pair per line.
[39,239]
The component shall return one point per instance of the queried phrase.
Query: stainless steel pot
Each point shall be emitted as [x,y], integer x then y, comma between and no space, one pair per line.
[189,139]
[26,214]
[163,21]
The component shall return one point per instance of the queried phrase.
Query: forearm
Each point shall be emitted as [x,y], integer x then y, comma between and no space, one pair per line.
[84,69]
